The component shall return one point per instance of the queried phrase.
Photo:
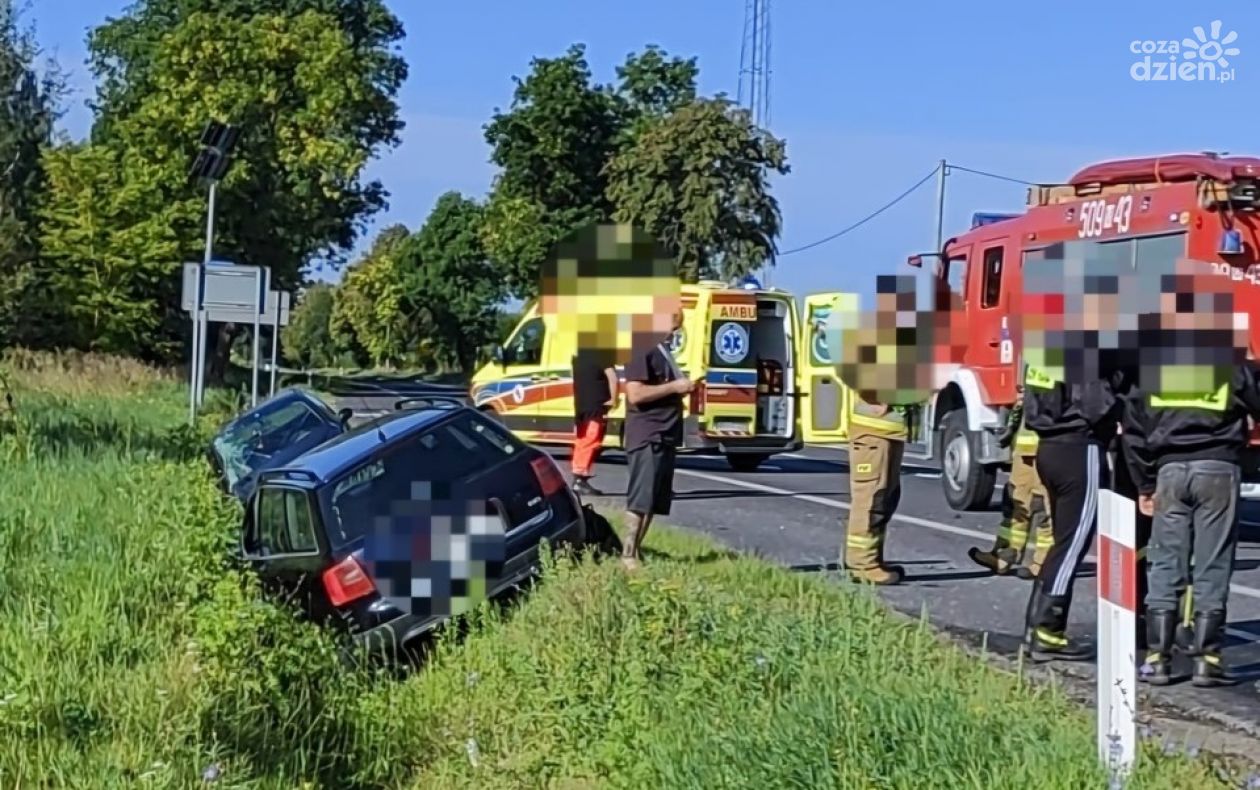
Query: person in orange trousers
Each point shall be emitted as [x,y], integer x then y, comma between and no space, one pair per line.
[595,393]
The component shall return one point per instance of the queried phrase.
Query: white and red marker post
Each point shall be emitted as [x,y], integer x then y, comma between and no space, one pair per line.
[1117,631]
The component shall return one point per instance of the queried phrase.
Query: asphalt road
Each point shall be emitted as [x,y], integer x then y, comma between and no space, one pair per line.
[792,511]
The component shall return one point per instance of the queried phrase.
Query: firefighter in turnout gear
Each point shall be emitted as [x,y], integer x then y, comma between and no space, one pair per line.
[1024,504]
[877,438]
[1075,423]
[1183,453]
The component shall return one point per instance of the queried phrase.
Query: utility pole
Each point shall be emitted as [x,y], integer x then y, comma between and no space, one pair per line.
[941,171]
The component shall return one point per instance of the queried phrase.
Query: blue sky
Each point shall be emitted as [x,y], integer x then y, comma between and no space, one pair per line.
[868,96]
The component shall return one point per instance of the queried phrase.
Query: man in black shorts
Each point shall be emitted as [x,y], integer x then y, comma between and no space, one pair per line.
[655,387]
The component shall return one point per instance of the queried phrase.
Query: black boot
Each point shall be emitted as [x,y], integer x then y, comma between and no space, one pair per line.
[1209,638]
[582,487]
[1049,641]
[1161,625]
[1032,612]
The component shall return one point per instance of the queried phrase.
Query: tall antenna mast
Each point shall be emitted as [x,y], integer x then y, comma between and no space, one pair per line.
[753,92]
[754,62]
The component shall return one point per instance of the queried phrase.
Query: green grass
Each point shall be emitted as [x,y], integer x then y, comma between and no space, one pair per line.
[133,655]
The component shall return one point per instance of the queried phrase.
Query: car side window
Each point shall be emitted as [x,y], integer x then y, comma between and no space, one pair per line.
[526,346]
[283,523]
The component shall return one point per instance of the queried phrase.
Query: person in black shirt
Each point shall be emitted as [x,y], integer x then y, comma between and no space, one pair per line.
[655,387]
[595,394]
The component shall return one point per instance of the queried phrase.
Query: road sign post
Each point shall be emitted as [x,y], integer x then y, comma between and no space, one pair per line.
[211,165]
[278,303]
[1117,631]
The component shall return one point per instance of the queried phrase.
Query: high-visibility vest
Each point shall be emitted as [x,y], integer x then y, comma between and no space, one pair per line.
[863,419]
[1212,401]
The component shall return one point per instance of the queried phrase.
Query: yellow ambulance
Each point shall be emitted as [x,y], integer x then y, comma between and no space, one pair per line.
[765,380]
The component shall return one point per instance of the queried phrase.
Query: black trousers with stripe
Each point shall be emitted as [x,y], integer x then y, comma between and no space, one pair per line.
[1072,474]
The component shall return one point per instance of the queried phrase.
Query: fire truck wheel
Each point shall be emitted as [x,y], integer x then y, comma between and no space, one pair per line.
[968,484]
[745,462]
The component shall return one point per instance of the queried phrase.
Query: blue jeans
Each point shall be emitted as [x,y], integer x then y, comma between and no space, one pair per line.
[1196,514]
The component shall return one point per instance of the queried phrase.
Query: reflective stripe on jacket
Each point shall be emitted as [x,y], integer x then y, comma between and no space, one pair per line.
[892,425]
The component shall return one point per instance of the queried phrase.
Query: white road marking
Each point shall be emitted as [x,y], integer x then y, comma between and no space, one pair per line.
[1238,589]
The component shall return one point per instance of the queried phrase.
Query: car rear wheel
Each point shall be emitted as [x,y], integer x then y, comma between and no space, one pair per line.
[746,462]
[968,484]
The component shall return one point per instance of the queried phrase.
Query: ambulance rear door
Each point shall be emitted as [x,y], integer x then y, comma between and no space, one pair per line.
[824,409]
[730,392]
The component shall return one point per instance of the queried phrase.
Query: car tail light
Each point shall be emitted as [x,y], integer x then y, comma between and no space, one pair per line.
[346,582]
[697,399]
[549,477]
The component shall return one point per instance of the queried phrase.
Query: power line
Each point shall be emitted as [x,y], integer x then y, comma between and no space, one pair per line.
[867,218]
[991,175]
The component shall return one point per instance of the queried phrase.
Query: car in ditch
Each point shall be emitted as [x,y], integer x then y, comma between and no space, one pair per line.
[392,527]
[277,431]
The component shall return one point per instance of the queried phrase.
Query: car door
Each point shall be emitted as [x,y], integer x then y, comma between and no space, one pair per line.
[283,544]
[992,352]
[824,410]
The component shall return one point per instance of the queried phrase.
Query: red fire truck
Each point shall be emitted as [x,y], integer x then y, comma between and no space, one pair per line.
[1202,207]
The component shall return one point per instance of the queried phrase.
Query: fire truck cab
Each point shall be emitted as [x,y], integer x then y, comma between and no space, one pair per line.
[1202,207]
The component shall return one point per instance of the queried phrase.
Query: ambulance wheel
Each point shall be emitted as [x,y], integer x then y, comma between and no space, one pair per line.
[968,484]
[745,462]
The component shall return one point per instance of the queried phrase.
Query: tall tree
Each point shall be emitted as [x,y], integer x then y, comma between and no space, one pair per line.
[126,52]
[652,85]
[28,111]
[308,339]
[553,143]
[102,263]
[697,180]
[452,281]
[370,307]
[312,92]
[551,146]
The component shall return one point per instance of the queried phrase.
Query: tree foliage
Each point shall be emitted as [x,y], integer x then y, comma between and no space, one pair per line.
[311,84]
[108,274]
[308,340]
[697,179]
[452,284]
[369,311]
[552,146]
[28,111]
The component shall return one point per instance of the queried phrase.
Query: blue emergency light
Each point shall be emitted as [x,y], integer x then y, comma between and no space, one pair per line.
[981,218]
[1231,243]
[749,283]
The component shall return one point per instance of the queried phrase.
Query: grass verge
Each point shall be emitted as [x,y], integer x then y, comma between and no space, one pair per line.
[132,654]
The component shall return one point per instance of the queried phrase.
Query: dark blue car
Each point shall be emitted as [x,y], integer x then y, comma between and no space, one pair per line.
[274,433]
[390,528]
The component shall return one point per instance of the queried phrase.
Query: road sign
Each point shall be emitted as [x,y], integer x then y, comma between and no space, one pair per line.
[1117,631]
[235,315]
[226,285]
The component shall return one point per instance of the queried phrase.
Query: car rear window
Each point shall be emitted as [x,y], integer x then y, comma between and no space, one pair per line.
[427,466]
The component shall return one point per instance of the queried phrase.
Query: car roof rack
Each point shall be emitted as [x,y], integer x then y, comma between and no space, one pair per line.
[445,402]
